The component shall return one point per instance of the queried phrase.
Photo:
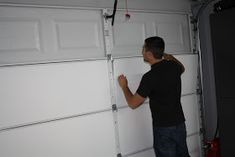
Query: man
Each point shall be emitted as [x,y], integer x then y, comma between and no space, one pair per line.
[162,84]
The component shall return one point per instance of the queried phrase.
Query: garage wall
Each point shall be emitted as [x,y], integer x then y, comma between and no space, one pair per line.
[59,71]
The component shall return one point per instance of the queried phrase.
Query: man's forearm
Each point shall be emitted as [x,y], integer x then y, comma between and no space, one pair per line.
[133,100]
[128,94]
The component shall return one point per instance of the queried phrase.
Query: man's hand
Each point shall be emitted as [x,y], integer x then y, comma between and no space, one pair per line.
[122,81]
[172,58]
[133,101]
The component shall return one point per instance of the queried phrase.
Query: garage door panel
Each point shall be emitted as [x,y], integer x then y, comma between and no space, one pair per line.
[133,69]
[20,35]
[78,33]
[190,108]
[189,77]
[173,28]
[43,34]
[126,42]
[194,145]
[38,92]
[135,129]
[74,35]
[81,136]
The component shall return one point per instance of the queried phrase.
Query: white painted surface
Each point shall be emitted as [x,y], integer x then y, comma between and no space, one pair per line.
[189,77]
[174,30]
[135,129]
[86,136]
[194,145]
[172,27]
[39,34]
[191,109]
[42,92]
[22,35]
[164,5]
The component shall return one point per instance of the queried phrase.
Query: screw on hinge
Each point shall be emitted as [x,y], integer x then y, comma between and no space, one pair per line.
[109,56]
[114,107]
[119,155]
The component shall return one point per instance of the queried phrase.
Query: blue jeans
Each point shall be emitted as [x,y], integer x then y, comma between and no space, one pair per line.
[170,141]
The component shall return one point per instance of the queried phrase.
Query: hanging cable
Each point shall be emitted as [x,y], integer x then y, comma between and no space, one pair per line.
[114,12]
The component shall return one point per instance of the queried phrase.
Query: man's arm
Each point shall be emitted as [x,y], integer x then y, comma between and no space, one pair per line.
[133,100]
[171,57]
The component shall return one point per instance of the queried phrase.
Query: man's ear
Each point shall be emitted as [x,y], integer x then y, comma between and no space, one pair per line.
[149,54]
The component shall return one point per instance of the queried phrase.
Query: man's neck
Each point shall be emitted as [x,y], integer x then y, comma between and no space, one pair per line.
[154,61]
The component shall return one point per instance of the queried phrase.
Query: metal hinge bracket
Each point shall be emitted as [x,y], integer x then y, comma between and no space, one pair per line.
[114,108]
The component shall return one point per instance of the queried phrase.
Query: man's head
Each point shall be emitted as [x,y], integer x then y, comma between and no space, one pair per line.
[153,47]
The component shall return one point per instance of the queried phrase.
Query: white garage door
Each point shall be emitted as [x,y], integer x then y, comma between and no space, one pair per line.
[59,84]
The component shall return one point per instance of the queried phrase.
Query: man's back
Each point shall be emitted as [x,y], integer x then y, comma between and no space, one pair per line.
[162,84]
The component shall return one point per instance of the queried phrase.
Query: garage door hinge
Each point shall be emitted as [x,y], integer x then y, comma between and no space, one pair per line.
[109,57]
[114,107]
[119,155]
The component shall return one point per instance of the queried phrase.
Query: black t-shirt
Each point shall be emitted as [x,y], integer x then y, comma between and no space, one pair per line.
[162,84]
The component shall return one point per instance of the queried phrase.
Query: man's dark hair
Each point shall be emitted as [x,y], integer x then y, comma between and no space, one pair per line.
[156,45]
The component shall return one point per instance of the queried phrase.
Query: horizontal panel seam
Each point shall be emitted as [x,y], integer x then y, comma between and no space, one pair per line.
[52,120]
[136,152]
[93,8]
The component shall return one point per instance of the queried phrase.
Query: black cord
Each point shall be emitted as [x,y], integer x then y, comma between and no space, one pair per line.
[114,11]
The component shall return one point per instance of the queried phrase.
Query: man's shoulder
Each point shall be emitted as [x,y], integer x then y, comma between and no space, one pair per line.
[148,74]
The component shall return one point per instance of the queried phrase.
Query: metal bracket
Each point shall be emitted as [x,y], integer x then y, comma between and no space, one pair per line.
[109,57]
[194,22]
[114,108]
[107,16]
